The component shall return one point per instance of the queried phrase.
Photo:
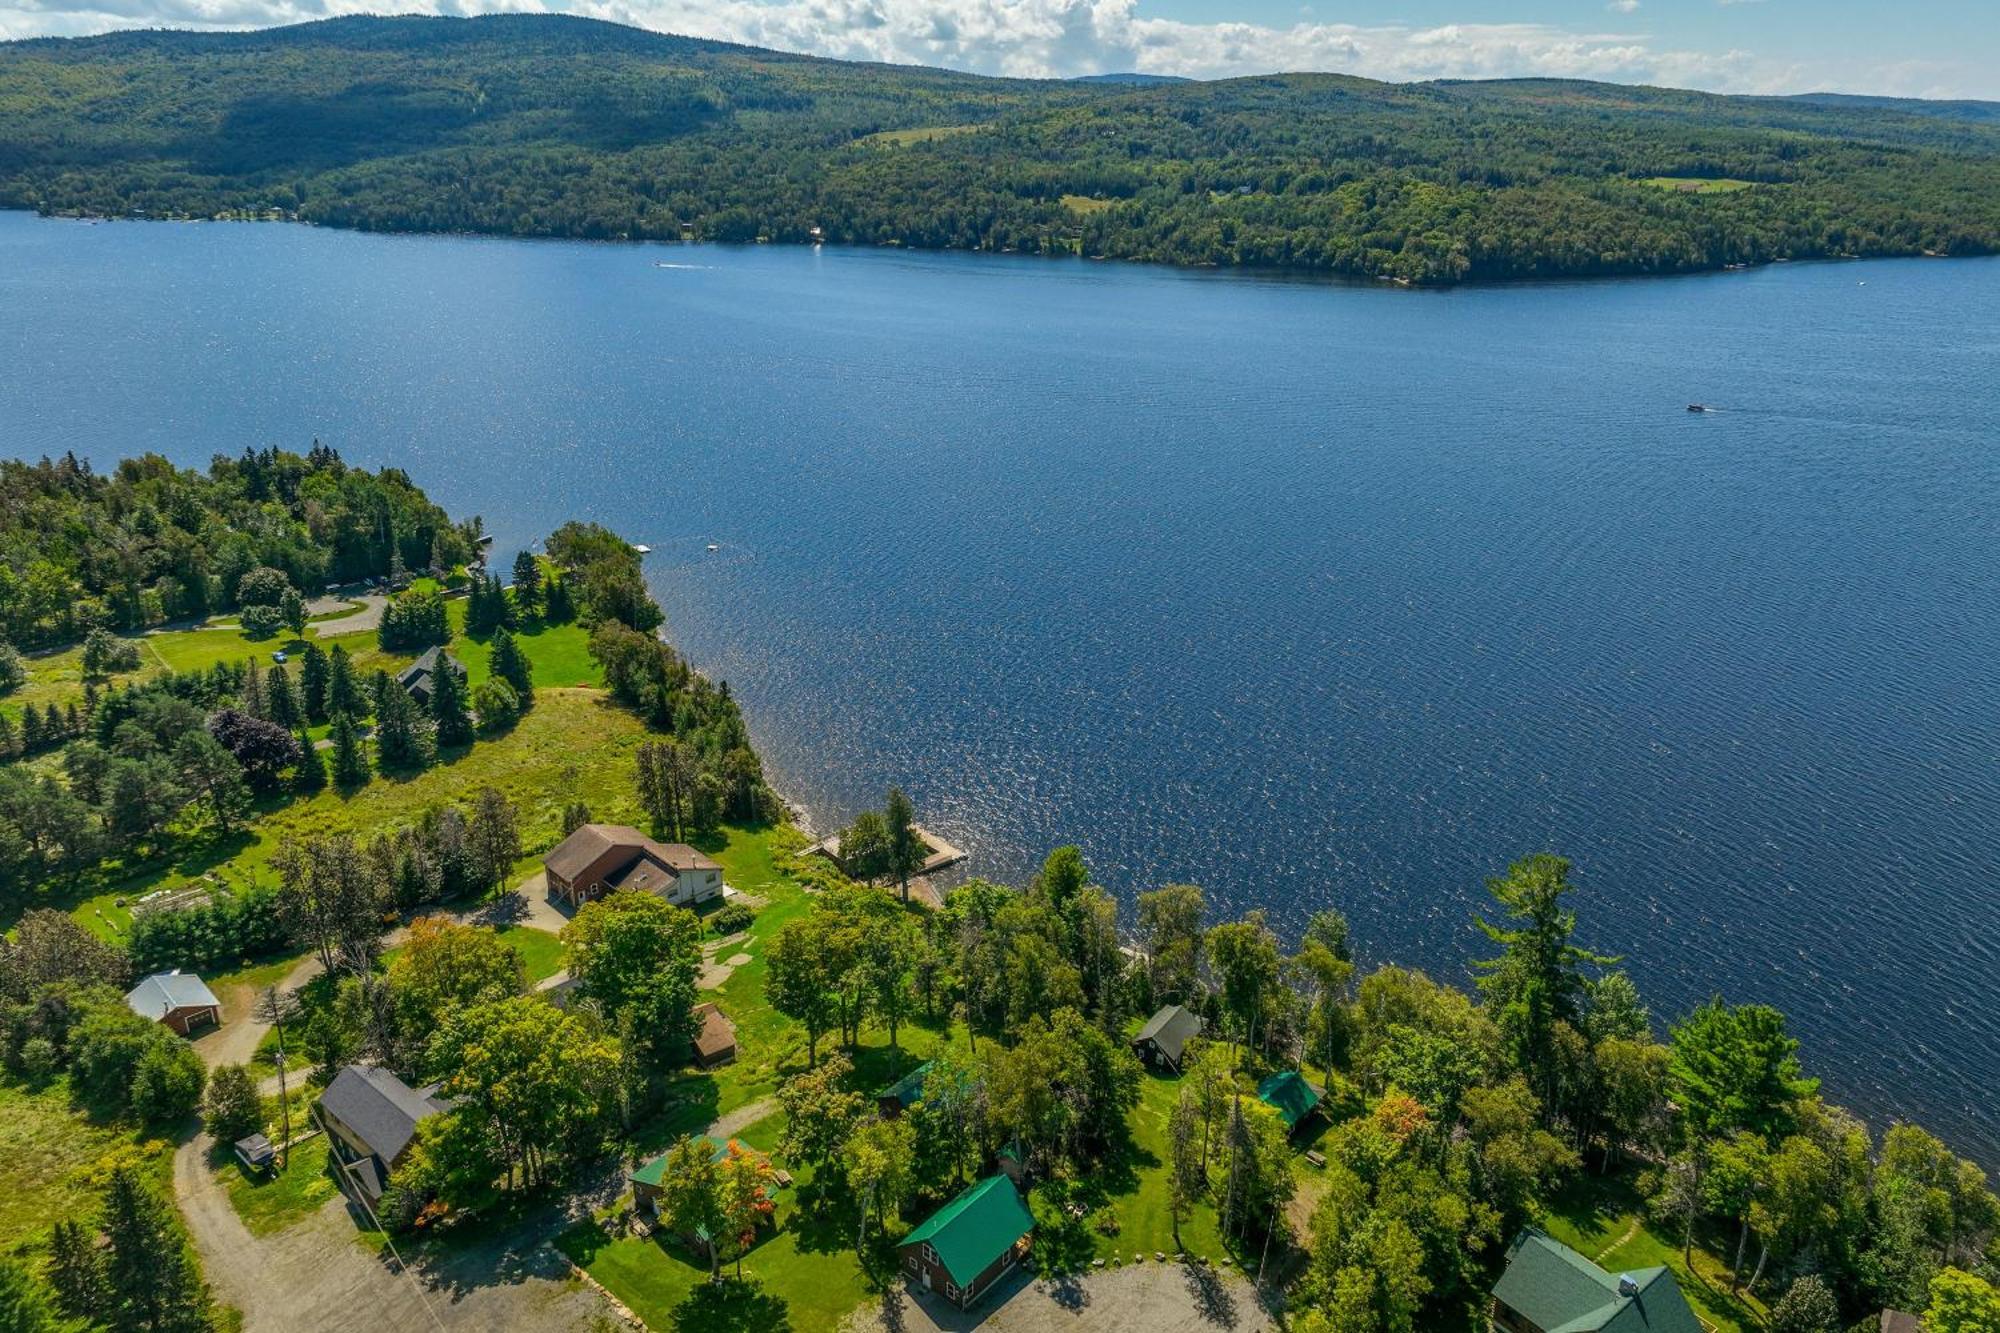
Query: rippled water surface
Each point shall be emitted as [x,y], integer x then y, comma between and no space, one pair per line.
[1312,595]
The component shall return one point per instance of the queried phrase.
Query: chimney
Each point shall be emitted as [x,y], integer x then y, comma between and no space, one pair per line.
[1626,1286]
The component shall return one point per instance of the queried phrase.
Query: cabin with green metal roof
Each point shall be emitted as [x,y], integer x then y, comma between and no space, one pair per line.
[1288,1093]
[963,1248]
[1550,1288]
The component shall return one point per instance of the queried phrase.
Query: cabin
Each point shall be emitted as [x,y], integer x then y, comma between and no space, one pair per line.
[370,1117]
[178,999]
[909,1090]
[1548,1287]
[418,679]
[649,1181]
[715,1039]
[603,858]
[1162,1043]
[963,1248]
[1288,1093]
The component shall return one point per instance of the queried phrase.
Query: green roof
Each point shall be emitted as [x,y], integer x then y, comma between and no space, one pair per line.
[975,1229]
[1560,1291]
[1290,1095]
[907,1090]
[652,1172]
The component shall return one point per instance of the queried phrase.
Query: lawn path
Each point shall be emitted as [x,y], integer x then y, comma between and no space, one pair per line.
[742,1118]
[1620,1243]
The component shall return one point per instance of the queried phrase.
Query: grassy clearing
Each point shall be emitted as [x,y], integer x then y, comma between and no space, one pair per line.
[575,744]
[541,953]
[270,1202]
[1604,1219]
[54,1161]
[1696,184]
[924,134]
[1083,204]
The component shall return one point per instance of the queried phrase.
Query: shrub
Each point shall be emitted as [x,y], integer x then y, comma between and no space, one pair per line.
[224,932]
[232,1107]
[262,586]
[166,1086]
[13,674]
[498,706]
[39,1060]
[731,917]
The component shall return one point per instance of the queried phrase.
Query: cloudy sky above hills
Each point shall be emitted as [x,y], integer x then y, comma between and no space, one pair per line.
[1943,48]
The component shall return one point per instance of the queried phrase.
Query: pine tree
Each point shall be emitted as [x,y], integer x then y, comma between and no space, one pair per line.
[8,740]
[527,584]
[151,1279]
[448,707]
[557,608]
[24,1307]
[342,694]
[76,1271]
[255,702]
[401,740]
[313,682]
[350,763]
[287,709]
[310,775]
[510,664]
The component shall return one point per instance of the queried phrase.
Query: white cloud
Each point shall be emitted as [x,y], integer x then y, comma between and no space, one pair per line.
[1059,38]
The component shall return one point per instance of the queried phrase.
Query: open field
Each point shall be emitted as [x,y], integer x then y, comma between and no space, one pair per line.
[921,134]
[1697,184]
[54,1160]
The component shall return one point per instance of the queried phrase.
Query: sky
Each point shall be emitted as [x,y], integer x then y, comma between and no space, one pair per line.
[1912,48]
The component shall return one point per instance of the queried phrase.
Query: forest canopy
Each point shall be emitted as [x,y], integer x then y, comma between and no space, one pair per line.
[539,125]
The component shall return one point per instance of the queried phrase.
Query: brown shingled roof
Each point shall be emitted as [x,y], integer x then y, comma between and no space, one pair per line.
[602,846]
[717,1035]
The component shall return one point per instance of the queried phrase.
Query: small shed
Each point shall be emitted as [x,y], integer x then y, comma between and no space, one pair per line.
[1288,1093]
[963,1248]
[256,1153]
[178,999]
[1162,1043]
[715,1039]
[904,1093]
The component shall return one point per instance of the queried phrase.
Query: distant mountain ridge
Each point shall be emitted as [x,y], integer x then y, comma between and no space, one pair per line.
[546,125]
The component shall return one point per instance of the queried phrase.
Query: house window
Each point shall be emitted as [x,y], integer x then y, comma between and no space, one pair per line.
[930,1255]
[910,1262]
[951,1290]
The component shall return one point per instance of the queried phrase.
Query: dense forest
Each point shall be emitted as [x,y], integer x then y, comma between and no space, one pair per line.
[555,126]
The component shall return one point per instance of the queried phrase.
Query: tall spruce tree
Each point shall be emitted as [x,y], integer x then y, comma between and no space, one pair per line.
[343,693]
[310,775]
[287,709]
[527,584]
[151,1279]
[313,676]
[510,664]
[448,706]
[350,763]
[402,736]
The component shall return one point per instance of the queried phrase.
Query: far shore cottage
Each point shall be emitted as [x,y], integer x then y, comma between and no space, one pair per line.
[963,1248]
[602,858]
[179,999]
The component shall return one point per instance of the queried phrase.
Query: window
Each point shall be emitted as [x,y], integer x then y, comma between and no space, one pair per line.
[951,1290]
[930,1255]
[910,1262]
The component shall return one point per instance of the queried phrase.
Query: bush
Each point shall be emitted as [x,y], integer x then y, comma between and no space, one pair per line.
[414,621]
[261,622]
[1807,1308]
[39,1060]
[262,586]
[166,1086]
[105,653]
[498,706]
[232,1108]
[731,917]
[13,673]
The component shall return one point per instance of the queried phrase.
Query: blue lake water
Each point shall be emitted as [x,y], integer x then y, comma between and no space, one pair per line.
[1308,594]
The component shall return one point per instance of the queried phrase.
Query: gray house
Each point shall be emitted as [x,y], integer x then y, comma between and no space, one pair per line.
[370,1117]
[1163,1041]
[416,678]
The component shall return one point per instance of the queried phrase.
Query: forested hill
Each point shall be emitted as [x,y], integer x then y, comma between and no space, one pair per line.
[551,126]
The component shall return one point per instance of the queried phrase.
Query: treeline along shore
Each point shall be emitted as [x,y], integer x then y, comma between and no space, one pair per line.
[545,125]
[302,806]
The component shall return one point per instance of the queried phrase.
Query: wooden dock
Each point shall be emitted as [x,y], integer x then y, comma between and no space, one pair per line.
[939,853]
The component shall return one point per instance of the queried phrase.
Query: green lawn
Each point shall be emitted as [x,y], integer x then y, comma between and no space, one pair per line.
[1604,1219]
[904,138]
[1135,1190]
[541,953]
[559,654]
[270,1202]
[54,1161]
[1697,184]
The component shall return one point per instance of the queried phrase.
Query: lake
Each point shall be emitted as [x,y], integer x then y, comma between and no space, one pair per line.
[1310,594]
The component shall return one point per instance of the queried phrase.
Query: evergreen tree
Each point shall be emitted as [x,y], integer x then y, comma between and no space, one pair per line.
[310,776]
[350,763]
[76,1271]
[402,737]
[313,677]
[292,611]
[8,740]
[448,706]
[557,607]
[24,1308]
[343,696]
[287,709]
[255,702]
[151,1279]
[510,664]
[527,584]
